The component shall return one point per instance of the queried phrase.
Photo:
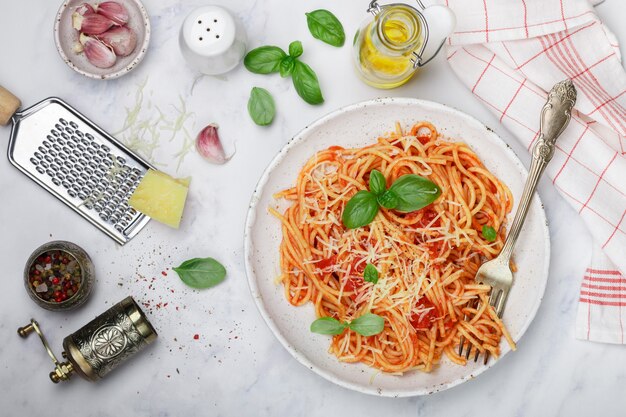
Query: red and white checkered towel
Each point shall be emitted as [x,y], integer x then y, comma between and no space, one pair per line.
[510,53]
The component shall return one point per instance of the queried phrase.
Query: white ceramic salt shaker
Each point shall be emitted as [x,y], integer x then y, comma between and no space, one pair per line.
[212,40]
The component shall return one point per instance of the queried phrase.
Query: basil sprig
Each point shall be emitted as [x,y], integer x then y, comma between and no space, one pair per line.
[261,106]
[325,26]
[272,59]
[408,193]
[370,274]
[489,233]
[378,183]
[306,83]
[264,60]
[413,192]
[201,272]
[295,49]
[360,210]
[369,324]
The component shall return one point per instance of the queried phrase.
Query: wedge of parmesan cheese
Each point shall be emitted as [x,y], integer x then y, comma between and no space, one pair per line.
[161,197]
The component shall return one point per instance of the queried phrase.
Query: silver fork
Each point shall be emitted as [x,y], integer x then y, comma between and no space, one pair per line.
[555,116]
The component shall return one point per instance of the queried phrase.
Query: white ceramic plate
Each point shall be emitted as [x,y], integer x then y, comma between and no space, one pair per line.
[359,125]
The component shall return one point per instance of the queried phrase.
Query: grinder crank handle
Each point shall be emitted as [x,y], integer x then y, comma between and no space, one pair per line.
[8,106]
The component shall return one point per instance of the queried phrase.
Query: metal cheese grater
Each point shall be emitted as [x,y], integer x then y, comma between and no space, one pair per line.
[77,162]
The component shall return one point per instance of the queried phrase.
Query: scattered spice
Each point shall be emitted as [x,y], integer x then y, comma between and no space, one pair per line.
[196,336]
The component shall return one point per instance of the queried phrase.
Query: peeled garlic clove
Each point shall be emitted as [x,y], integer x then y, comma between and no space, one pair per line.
[91,24]
[209,146]
[122,39]
[99,54]
[84,9]
[77,47]
[114,11]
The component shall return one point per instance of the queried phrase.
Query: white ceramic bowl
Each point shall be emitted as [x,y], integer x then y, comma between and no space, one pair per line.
[359,125]
[65,37]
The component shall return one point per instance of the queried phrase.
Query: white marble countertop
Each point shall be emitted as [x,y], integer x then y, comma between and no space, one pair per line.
[237,367]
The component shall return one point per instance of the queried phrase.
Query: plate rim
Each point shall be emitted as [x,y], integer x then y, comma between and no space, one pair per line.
[251,220]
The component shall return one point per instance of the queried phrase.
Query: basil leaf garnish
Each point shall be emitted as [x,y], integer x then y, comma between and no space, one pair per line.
[287,65]
[388,200]
[201,272]
[324,26]
[378,184]
[489,233]
[414,192]
[370,274]
[261,106]
[306,83]
[328,325]
[264,60]
[295,49]
[368,324]
[360,210]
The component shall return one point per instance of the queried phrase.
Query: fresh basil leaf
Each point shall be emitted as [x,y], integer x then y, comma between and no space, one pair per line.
[368,324]
[264,60]
[378,184]
[324,26]
[295,49]
[489,233]
[414,192]
[201,272]
[360,210]
[370,274]
[388,200]
[306,83]
[261,106]
[287,65]
[328,325]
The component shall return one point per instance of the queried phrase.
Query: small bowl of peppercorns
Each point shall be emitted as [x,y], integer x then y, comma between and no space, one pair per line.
[59,275]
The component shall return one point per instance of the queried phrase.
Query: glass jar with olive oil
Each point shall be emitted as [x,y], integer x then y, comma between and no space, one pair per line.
[389,49]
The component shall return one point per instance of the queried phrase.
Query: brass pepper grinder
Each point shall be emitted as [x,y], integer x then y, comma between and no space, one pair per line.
[102,344]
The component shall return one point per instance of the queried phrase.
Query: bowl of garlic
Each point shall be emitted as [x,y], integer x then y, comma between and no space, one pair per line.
[102,40]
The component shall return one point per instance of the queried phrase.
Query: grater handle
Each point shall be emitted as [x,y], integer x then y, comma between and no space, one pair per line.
[8,106]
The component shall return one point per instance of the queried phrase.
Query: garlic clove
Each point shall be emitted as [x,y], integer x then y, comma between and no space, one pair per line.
[77,48]
[99,54]
[209,146]
[122,39]
[84,9]
[91,24]
[114,11]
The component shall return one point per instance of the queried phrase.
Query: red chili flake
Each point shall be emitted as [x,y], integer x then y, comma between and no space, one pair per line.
[164,273]
[196,336]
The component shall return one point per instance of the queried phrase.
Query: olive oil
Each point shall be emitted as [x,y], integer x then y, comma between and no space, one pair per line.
[385,47]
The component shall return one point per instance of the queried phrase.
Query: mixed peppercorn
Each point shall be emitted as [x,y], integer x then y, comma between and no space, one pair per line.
[55,276]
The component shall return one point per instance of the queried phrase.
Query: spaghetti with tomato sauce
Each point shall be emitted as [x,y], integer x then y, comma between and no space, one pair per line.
[427,259]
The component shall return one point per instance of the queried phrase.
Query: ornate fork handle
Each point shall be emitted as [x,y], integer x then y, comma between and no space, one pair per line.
[555,117]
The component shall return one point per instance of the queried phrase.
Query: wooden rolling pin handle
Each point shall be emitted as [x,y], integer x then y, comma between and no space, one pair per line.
[8,106]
